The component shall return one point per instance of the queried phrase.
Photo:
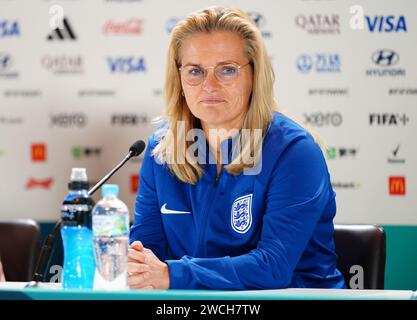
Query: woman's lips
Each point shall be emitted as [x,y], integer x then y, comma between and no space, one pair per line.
[212,101]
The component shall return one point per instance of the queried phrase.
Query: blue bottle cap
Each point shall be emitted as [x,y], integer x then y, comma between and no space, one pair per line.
[110,190]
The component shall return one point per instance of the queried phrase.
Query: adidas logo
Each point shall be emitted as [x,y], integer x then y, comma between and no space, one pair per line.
[62,34]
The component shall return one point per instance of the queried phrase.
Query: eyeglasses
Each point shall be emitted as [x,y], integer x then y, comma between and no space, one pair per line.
[224,73]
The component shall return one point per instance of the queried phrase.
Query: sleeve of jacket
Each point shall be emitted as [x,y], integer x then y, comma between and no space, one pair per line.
[147,224]
[298,192]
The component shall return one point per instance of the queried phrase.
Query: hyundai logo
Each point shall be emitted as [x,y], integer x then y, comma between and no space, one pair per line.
[385,57]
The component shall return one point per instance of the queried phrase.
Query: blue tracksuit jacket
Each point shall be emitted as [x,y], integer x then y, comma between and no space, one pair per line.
[269,230]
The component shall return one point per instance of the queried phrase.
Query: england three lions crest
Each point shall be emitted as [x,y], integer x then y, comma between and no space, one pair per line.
[241,215]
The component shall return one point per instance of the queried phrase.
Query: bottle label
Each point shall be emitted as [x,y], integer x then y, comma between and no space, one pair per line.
[111,226]
[76,214]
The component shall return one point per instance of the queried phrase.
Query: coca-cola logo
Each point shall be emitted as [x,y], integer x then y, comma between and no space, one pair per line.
[131,26]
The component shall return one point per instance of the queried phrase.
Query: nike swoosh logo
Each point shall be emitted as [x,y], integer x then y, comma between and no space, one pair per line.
[164,210]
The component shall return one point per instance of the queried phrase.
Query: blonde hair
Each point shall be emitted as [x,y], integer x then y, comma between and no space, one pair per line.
[261,106]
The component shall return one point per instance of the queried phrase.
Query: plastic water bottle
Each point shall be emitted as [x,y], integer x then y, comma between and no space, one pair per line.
[111,236]
[77,235]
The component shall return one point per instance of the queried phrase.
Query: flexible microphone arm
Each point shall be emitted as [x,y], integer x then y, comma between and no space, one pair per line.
[107,176]
[45,254]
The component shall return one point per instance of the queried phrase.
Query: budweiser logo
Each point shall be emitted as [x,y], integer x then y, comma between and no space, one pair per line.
[39,183]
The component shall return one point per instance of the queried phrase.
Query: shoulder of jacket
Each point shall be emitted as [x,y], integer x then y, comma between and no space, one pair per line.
[284,131]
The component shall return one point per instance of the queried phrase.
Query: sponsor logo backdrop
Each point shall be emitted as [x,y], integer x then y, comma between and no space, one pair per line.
[81,80]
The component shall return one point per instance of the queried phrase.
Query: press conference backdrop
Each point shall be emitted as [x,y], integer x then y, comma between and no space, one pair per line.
[81,80]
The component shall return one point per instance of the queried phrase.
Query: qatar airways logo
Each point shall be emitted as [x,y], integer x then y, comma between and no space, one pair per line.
[318,24]
[128,27]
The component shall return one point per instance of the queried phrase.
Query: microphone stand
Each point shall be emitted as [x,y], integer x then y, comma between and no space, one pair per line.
[45,254]
[108,176]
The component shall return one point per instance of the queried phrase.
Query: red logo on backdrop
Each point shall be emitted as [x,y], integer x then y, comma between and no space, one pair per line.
[134,183]
[397,186]
[38,152]
[131,26]
[39,183]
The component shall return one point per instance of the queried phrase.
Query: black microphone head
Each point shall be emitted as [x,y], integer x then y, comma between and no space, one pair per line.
[137,148]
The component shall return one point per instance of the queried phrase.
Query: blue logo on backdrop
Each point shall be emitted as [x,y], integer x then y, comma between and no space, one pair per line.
[6,61]
[127,64]
[9,28]
[6,66]
[384,60]
[385,57]
[320,62]
[260,22]
[241,215]
[172,22]
[386,23]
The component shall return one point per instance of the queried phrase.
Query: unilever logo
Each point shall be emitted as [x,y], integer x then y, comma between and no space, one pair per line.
[319,62]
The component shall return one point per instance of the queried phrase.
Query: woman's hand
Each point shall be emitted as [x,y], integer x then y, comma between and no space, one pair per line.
[145,270]
[2,278]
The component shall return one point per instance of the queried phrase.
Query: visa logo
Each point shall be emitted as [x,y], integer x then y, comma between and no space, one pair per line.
[386,23]
[127,64]
[9,29]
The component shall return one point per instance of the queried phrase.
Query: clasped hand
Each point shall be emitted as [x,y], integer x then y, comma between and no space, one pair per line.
[145,270]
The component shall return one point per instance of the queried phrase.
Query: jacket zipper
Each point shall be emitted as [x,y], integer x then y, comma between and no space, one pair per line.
[205,215]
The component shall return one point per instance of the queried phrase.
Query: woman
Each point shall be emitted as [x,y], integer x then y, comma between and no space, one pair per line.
[221,211]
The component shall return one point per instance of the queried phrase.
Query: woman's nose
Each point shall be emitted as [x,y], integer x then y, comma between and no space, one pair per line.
[210,82]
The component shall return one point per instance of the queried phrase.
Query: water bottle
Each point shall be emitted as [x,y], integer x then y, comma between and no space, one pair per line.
[77,235]
[111,236]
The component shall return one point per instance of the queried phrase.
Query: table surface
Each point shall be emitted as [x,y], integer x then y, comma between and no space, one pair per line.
[53,291]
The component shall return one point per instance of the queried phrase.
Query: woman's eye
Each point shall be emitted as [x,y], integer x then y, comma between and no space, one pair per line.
[195,72]
[229,70]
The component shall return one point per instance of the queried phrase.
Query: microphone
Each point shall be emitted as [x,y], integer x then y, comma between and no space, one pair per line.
[135,150]
[45,254]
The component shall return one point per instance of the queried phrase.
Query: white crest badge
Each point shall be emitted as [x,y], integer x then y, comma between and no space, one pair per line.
[241,215]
